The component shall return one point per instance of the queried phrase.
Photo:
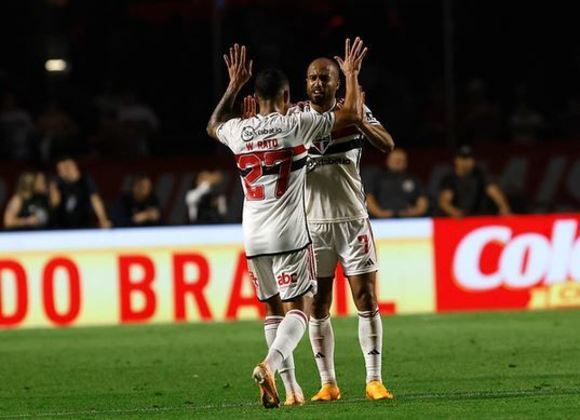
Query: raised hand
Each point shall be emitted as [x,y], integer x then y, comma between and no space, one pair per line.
[239,68]
[353,56]
[249,108]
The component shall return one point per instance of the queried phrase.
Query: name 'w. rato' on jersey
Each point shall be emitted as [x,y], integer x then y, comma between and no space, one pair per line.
[334,174]
[271,154]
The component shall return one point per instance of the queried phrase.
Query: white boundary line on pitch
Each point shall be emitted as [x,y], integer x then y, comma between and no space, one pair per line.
[401,397]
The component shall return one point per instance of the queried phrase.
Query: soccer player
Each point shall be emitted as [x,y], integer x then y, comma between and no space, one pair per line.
[341,231]
[271,152]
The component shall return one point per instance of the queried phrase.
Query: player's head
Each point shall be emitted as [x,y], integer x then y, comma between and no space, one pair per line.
[67,169]
[322,80]
[272,85]
[25,185]
[397,160]
[464,160]
[141,187]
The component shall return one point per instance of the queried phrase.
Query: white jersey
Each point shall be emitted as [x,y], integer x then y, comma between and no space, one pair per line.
[334,188]
[271,153]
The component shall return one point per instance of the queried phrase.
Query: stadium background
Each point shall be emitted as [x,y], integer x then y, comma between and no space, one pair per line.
[433,67]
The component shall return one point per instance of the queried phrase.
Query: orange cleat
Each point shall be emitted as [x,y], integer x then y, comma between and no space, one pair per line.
[267,384]
[294,398]
[376,391]
[328,392]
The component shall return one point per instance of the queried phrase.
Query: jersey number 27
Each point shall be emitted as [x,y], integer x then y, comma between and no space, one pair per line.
[256,162]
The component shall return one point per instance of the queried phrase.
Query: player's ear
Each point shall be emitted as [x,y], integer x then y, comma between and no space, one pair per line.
[286,96]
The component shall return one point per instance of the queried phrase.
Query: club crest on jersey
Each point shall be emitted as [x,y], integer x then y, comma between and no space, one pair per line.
[322,144]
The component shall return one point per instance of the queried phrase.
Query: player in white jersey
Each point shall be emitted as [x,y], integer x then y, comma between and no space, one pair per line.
[341,231]
[271,150]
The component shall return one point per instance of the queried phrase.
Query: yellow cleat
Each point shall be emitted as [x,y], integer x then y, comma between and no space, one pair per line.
[328,392]
[267,384]
[376,391]
[294,398]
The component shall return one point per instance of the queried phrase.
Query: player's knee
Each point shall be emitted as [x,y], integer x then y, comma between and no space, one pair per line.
[321,306]
[365,299]
[274,307]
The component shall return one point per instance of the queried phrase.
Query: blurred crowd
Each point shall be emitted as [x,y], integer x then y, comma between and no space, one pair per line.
[70,198]
[123,127]
[118,125]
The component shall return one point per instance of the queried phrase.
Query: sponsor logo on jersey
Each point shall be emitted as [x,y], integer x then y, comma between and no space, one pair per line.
[248,133]
[286,279]
[332,161]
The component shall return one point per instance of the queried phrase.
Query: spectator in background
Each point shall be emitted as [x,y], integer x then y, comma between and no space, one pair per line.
[73,195]
[15,130]
[206,203]
[140,206]
[465,192]
[395,192]
[28,208]
[478,116]
[525,124]
[57,131]
[138,122]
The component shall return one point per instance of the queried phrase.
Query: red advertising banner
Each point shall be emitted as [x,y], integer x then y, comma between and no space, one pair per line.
[507,263]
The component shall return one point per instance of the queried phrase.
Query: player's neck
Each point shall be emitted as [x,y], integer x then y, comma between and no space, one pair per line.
[267,107]
[324,107]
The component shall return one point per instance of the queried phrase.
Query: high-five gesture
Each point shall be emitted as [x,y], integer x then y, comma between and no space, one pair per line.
[239,68]
[353,56]
[240,71]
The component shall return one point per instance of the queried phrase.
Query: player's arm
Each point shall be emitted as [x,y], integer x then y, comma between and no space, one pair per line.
[446,204]
[374,131]
[240,71]
[349,113]
[498,197]
[377,136]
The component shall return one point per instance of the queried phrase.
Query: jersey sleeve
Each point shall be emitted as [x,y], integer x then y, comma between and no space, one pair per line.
[369,117]
[314,126]
[228,131]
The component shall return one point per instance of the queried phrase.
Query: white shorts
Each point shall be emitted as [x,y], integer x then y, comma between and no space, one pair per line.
[352,243]
[291,275]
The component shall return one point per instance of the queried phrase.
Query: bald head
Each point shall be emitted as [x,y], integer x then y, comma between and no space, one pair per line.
[325,63]
[322,82]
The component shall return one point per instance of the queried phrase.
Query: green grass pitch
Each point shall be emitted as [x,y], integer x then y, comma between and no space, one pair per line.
[476,365]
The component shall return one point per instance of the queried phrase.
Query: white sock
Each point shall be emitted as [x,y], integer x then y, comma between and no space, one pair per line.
[289,333]
[370,336]
[322,342]
[287,370]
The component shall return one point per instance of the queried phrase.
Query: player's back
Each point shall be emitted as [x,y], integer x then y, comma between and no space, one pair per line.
[271,153]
